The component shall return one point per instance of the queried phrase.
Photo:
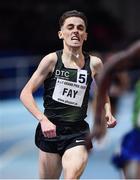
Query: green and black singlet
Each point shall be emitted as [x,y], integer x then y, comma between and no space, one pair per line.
[66,91]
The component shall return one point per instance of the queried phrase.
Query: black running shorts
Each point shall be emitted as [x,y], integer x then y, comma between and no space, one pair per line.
[69,134]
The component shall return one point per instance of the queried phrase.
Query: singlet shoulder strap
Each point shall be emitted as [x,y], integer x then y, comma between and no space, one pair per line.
[59,53]
[87,62]
[59,63]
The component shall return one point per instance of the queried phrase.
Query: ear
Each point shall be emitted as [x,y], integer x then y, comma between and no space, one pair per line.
[60,34]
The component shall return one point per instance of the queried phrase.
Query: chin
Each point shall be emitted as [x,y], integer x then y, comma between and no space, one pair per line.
[76,45]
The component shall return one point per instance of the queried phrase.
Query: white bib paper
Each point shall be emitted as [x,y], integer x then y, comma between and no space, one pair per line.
[68,92]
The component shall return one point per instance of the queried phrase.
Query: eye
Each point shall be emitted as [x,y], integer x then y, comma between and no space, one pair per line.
[81,27]
[70,26]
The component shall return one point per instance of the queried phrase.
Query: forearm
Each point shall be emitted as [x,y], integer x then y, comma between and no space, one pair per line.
[28,101]
[107,105]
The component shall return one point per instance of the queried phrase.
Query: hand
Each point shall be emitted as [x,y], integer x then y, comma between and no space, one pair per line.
[48,128]
[111,121]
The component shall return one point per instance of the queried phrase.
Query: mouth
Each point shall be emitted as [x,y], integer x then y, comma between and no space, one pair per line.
[75,38]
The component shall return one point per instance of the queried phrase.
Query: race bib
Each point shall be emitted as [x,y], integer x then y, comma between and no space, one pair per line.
[71,93]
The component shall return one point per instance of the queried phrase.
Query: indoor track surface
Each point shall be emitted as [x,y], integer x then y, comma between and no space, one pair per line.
[19,155]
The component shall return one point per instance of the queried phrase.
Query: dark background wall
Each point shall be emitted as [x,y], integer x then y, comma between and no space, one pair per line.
[28,31]
[30,26]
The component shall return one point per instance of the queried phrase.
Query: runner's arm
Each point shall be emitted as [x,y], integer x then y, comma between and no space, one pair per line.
[97,68]
[45,67]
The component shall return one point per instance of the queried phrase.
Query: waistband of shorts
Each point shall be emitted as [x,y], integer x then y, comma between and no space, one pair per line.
[68,123]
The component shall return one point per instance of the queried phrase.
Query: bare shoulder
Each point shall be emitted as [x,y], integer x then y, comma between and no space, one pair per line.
[95,61]
[49,59]
[48,62]
[95,64]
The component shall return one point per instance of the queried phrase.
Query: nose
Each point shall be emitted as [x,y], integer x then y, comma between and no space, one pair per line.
[75,30]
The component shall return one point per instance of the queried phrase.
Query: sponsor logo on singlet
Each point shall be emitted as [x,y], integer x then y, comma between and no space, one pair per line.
[62,73]
[70,91]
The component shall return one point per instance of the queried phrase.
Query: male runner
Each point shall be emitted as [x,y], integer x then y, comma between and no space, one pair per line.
[67,75]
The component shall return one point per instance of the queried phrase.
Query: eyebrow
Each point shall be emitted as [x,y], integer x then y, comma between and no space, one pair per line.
[70,24]
[80,25]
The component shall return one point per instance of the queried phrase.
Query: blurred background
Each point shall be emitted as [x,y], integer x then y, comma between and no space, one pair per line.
[28,32]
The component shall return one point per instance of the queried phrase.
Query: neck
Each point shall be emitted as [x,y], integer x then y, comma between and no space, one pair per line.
[73,58]
[73,53]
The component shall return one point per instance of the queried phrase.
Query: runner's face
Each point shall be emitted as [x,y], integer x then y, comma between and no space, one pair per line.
[73,32]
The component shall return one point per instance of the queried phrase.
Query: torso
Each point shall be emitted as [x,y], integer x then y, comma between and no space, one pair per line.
[67,91]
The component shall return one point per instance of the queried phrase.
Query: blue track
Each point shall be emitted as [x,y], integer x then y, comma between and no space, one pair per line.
[19,155]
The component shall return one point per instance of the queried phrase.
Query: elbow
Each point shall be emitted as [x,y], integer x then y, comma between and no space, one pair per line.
[22,94]
[25,94]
